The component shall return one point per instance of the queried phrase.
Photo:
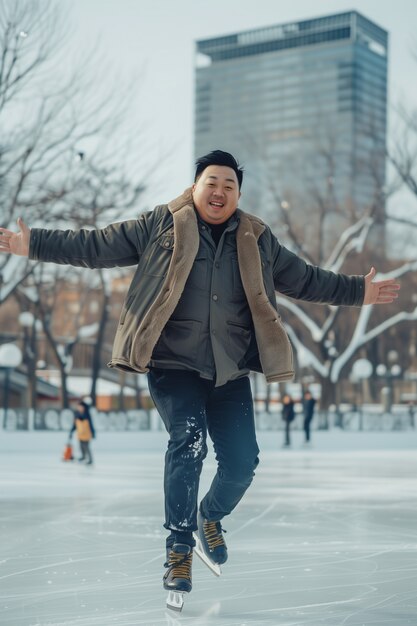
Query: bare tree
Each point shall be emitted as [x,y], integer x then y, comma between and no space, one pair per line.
[66,155]
[402,155]
[99,198]
[330,229]
[47,117]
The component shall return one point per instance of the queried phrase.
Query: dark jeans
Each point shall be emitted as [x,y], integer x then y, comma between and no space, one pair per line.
[190,407]
[307,422]
[287,433]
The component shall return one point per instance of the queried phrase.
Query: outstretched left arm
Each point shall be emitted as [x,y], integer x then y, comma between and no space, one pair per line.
[381,291]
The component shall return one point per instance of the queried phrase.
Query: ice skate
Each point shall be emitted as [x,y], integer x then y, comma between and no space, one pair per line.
[177,578]
[210,544]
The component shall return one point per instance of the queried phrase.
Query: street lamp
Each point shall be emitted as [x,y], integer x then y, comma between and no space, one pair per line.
[10,358]
[389,374]
[26,319]
[361,370]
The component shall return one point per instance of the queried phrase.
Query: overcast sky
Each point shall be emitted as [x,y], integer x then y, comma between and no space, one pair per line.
[158,37]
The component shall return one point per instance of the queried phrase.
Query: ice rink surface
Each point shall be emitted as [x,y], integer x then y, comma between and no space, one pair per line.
[326,536]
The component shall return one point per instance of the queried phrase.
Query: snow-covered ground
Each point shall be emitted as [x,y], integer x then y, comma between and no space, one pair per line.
[325,536]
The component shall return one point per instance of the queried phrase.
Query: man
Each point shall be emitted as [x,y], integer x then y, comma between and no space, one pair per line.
[308,410]
[288,415]
[199,315]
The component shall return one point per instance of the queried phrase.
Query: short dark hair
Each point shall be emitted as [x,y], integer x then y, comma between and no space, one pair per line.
[218,157]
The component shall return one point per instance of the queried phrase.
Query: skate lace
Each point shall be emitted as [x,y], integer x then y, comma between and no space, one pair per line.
[213,534]
[180,565]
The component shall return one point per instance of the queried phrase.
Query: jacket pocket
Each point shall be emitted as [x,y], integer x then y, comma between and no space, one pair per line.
[239,338]
[179,341]
[159,255]
[166,241]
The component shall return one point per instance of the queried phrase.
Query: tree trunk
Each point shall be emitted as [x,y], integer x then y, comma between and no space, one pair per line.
[61,364]
[64,391]
[328,397]
[33,396]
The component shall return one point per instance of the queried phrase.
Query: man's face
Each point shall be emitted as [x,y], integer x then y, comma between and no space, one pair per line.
[216,194]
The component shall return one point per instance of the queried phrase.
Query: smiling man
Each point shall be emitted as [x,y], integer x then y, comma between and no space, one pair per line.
[217,191]
[200,314]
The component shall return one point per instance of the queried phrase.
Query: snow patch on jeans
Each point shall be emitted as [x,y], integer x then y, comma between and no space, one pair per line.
[196,446]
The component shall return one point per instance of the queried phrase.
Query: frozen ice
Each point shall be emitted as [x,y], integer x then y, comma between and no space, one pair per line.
[324,536]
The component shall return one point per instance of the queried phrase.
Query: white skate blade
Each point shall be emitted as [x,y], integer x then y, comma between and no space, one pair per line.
[175,600]
[198,549]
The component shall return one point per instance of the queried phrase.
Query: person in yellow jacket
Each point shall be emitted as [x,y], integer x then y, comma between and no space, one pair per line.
[83,424]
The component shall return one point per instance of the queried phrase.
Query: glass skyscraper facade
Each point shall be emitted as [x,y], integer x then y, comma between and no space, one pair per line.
[303,106]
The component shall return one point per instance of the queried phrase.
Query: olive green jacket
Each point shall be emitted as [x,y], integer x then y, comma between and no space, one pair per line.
[163,243]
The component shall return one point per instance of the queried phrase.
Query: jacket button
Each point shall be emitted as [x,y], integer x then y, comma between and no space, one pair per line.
[166,244]
[215,297]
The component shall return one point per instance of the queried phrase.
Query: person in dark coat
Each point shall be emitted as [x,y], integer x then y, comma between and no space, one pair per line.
[83,424]
[199,316]
[308,408]
[288,415]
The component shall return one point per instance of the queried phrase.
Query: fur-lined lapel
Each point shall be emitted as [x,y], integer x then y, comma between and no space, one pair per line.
[274,347]
[186,243]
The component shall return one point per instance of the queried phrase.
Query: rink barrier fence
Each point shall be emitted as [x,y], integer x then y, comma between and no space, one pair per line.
[401,418]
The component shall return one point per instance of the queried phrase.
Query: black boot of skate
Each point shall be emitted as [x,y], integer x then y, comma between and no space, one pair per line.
[177,578]
[210,543]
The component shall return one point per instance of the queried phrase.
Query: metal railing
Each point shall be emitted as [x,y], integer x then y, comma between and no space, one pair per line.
[369,418]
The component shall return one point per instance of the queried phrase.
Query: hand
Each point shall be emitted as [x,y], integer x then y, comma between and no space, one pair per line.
[15,243]
[381,291]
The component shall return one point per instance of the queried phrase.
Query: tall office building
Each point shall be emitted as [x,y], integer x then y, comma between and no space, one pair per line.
[303,107]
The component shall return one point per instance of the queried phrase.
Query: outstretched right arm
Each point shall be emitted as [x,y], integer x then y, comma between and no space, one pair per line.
[118,244]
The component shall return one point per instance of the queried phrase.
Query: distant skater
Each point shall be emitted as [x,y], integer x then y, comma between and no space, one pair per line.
[83,424]
[288,415]
[308,409]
